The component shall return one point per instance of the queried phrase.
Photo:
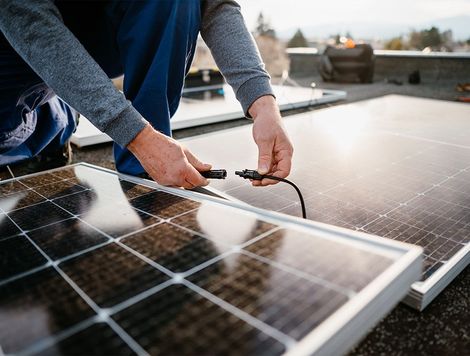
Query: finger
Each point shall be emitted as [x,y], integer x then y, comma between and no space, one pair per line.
[283,164]
[196,163]
[193,177]
[265,148]
[187,185]
[273,172]
[279,172]
[180,183]
[265,182]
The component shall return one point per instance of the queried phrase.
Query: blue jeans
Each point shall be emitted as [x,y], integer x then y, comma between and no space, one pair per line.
[151,42]
[32,118]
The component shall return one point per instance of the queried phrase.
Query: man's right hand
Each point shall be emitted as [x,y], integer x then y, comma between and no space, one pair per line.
[167,161]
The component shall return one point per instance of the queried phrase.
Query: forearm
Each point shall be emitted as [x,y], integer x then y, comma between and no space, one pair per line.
[234,50]
[36,31]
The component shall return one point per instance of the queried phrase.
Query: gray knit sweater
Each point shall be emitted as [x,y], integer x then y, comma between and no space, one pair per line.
[35,30]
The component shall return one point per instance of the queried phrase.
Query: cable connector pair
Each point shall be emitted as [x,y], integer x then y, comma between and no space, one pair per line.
[254,175]
[222,174]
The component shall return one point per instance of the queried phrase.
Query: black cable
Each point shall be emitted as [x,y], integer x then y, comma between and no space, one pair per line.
[302,203]
[254,175]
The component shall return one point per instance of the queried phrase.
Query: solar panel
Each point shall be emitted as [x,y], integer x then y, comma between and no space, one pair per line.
[109,264]
[205,109]
[389,166]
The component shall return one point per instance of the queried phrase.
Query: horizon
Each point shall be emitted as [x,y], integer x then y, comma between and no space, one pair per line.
[418,12]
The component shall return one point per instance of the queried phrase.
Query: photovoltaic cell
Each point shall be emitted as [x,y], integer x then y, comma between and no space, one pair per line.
[78,203]
[38,215]
[96,340]
[173,248]
[7,227]
[10,188]
[130,219]
[398,173]
[163,205]
[59,189]
[18,255]
[66,238]
[65,173]
[20,200]
[268,293]
[185,323]
[40,180]
[37,306]
[266,201]
[102,265]
[132,190]
[111,275]
[305,255]
[193,221]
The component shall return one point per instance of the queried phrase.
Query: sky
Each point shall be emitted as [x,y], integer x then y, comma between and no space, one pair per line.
[287,14]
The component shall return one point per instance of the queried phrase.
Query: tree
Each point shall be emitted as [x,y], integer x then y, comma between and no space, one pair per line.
[263,27]
[395,44]
[468,41]
[338,39]
[415,40]
[298,40]
[428,38]
[431,38]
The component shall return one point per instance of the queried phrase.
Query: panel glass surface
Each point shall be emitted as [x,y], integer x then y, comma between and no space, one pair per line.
[101,265]
[202,106]
[390,166]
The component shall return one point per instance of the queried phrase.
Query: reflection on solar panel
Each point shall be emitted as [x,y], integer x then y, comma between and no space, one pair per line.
[102,264]
[389,166]
[203,108]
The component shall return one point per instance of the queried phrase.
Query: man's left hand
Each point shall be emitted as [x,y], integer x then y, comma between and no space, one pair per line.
[274,146]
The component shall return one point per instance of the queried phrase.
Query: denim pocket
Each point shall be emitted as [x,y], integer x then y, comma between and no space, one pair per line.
[13,139]
[34,97]
[28,101]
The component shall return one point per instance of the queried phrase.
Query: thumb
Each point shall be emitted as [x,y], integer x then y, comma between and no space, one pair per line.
[265,156]
[196,163]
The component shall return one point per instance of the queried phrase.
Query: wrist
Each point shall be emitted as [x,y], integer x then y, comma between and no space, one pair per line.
[264,104]
[140,141]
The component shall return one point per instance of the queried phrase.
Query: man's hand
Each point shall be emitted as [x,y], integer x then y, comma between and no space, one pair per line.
[167,161]
[274,146]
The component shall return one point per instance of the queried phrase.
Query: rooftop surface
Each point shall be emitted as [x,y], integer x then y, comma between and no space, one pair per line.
[443,327]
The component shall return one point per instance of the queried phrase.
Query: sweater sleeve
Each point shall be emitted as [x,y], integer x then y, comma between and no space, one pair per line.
[225,33]
[37,33]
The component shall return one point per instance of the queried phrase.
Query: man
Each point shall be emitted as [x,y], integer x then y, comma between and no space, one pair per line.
[72,48]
